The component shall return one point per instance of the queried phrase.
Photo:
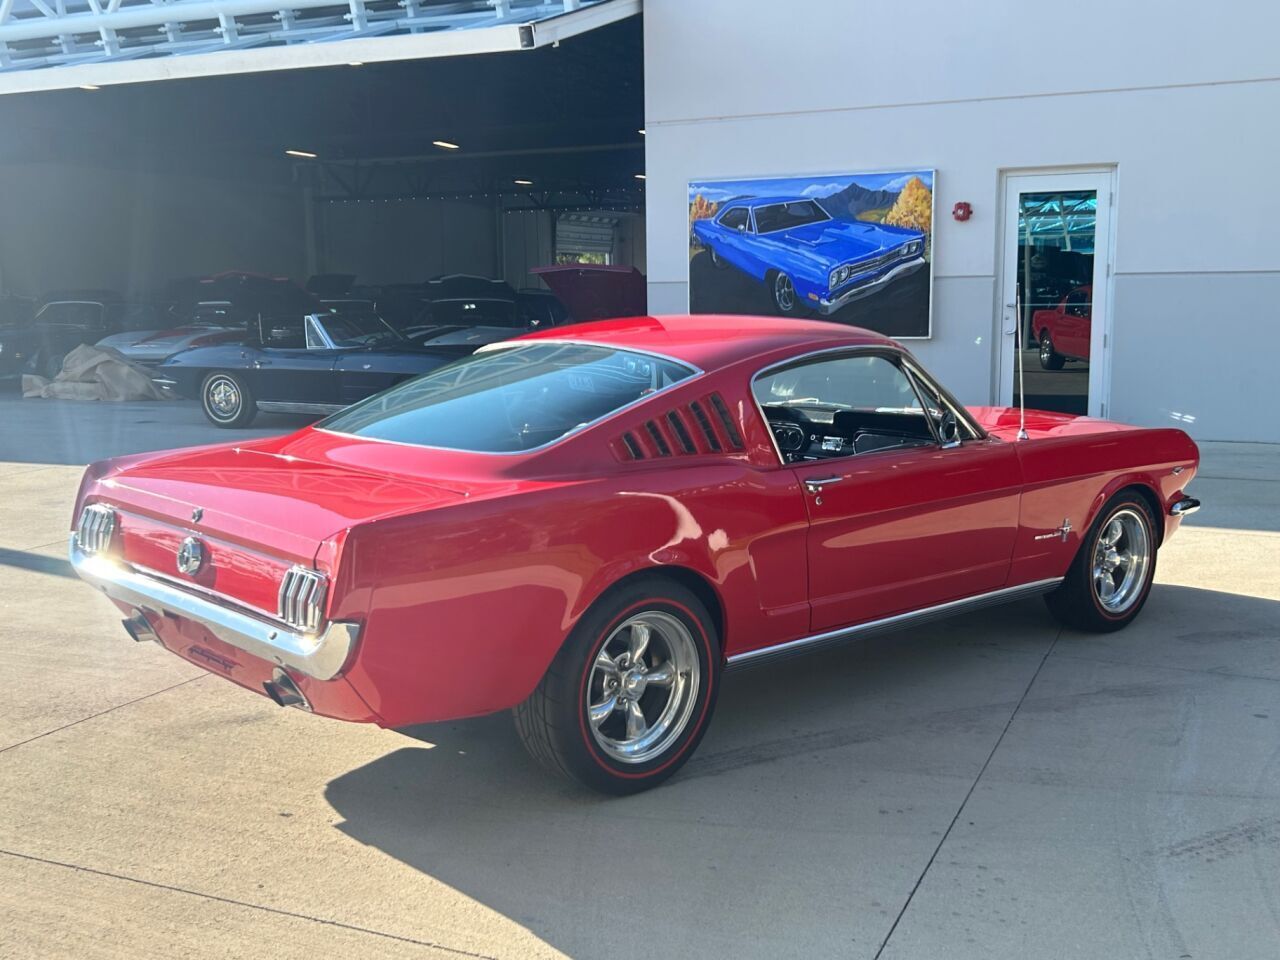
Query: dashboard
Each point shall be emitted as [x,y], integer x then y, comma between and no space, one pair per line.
[820,434]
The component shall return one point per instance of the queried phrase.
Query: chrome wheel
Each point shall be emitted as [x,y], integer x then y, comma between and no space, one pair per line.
[643,687]
[1120,560]
[784,293]
[222,397]
[1046,350]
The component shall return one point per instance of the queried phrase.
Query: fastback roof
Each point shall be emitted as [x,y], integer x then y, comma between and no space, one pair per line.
[713,341]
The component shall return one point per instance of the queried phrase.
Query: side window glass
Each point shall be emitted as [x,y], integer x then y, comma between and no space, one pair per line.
[1078,303]
[944,415]
[735,219]
[88,315]
[842,406]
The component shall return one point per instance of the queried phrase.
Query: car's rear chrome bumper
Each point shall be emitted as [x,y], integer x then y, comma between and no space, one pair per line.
[321,655]
[827,307]
[1185,506]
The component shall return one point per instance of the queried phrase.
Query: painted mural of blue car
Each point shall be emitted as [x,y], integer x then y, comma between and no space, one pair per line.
[809,260]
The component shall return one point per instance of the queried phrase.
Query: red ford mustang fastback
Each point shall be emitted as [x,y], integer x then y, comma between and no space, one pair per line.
[588,525]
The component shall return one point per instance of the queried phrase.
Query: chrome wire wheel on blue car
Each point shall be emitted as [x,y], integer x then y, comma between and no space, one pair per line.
[226,400]
[784,294]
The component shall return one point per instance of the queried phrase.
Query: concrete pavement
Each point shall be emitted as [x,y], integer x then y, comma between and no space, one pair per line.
[987,787]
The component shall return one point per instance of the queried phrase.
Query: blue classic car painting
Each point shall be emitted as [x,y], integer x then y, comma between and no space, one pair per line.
[816,248]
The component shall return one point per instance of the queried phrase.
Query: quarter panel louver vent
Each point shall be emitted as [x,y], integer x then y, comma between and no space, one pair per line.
[730,428]
[659,441]
[704,424]
[681,432]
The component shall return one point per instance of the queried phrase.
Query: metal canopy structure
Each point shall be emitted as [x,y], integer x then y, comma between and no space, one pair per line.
[51,44]
[1064,220]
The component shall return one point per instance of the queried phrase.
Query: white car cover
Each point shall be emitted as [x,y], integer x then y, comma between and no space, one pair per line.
[90,373]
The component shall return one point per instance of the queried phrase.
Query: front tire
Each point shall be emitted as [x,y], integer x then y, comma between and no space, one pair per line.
[227,400]
[783,291]
[50,364]
[1050,359]
[628,698]
[1110,578]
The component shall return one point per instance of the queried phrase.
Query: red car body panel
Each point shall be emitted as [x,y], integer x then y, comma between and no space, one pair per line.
[467,571]
[1069,324]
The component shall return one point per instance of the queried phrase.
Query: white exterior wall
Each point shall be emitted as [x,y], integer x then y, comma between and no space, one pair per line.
[1182,99]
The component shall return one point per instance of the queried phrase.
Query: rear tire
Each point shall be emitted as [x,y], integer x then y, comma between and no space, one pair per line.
[1110,578]
[716,260]
[630,694]
[227,400]
[1050,359]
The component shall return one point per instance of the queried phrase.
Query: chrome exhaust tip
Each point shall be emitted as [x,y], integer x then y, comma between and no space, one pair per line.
[139,628]
[284,691]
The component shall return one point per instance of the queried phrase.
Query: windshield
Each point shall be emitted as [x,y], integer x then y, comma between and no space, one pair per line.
[217,315]
[509,400]
[783,216]
[471,313]
[359,330]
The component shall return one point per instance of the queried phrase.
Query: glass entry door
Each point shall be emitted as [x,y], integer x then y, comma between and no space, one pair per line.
[1055,273]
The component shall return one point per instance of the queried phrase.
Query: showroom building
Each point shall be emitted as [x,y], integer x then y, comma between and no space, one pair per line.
[1094,206]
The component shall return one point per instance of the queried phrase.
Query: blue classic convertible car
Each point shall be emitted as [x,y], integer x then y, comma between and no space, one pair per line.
[313,364]
[809,260]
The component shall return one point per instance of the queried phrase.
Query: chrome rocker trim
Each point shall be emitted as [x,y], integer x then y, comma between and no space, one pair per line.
[319,655]
[281,406]
[1185,506]
[827,307]
[909,619]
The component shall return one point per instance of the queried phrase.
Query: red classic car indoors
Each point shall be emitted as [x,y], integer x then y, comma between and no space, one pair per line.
[588,525]
[1063,332]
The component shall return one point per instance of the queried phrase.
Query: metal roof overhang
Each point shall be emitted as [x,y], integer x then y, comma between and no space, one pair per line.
[58,44]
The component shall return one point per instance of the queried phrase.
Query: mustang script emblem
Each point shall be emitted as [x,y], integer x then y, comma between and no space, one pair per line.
[190,556]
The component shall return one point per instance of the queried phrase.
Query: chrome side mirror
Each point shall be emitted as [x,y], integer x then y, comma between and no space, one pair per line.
[949,430]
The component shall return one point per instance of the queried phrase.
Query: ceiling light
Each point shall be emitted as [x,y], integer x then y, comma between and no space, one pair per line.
[523,183]
[445,145]
[89,86]
[640,176]
[301,153]
[641,131]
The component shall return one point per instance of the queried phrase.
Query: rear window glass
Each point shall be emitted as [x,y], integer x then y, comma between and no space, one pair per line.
[510,400]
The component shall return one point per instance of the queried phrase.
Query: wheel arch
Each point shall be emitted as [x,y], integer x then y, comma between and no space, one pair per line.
[1143,488]
[692,580]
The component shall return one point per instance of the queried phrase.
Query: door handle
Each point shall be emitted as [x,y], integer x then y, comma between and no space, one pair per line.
[262,363]
[815,484]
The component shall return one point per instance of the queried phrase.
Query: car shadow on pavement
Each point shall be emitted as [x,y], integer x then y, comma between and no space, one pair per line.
[825,780]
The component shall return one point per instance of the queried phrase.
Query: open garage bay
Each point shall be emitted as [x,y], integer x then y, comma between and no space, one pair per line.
[986,787]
